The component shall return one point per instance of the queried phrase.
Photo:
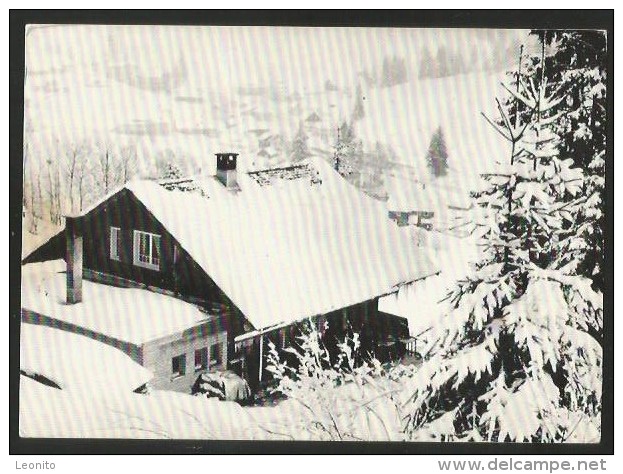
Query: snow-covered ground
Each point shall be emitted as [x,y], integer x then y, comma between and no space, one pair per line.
[51,413]
[131,315]
[78,364]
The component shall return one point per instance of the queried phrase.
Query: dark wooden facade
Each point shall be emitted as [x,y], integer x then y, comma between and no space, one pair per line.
[178,272]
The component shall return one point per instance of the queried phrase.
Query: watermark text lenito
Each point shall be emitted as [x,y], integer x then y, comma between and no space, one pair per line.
[510,464]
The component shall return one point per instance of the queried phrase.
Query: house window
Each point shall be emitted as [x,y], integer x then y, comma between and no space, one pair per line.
[201,359]
[215,355]
[115,243]
[178,365]
[146,250]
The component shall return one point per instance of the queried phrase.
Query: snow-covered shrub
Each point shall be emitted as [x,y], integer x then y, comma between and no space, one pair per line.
[344,400]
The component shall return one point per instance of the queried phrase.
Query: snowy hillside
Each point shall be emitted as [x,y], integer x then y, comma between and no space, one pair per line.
[406,116]
[190,93]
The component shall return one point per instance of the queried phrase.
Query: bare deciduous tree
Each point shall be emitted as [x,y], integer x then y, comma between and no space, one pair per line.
[72,155]
[104,166]
[126,163]
[83,175]
[53,191]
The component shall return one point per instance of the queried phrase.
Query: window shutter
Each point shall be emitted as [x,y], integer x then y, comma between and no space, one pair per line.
[113,239]
[135,247]
[155,251]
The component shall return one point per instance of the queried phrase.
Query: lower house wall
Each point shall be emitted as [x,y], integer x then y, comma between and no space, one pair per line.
[362,318]
[158,357]
[155,355]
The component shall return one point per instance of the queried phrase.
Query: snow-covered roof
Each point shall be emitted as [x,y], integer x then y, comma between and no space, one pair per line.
[437,195]
[105,309]
[77,363]
[453,192]
[423,302]
[408,196]
[291,250]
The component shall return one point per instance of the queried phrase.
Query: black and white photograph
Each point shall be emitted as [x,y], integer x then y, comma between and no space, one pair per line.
[314,233]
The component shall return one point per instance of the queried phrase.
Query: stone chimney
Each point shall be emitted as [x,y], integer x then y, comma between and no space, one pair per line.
[226,169]
[73,258]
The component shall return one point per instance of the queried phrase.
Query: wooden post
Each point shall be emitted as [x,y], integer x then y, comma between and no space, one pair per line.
[73,258]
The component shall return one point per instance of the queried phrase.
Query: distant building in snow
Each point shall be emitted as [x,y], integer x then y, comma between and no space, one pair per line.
[433,205]
[257,252]
[410,203]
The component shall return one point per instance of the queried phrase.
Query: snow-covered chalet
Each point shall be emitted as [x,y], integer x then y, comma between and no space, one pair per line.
[249,255]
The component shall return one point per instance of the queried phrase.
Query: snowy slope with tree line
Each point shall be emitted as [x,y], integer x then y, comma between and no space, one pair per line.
[391,139]
[95,118]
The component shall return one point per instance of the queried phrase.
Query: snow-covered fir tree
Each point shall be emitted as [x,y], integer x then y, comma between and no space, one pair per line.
[378,163]
[329,86]
[515,358]
[348,151]
[171,172]
[582,128]
[426,63]
[173,179]
[576,61]
[358,111]
[437,156]
[299,149]
[394,71]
